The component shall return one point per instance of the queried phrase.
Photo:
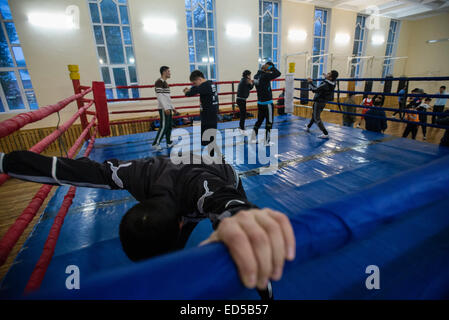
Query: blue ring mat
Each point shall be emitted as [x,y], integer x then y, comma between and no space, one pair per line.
[312,172]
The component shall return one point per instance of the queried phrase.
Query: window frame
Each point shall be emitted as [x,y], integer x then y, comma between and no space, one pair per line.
[355,61]
[388,64]
[109,65]
[322,60]
[16,69]
[193,28]
[261,33]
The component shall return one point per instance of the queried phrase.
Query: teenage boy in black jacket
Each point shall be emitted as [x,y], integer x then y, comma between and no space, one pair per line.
[444,121]
[209,104]
[245,86]
[172,199]
[323,94]
[377,123]
[265,105]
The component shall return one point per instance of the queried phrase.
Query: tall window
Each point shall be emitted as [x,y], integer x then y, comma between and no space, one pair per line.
[320,41]
[112,30]
[390,51]
[269,32]
[201,36]
[359,46]
[16,91]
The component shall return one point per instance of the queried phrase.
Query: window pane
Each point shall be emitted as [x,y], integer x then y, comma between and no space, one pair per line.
[189,19]
[31,97]
[11,89]
[127,35]
[192,67]
[267,23]
[317,29]
[199,17]
[130,59]
[211,38]
[357,32]
[275,41]
[191,54]
[203,69]
[276,9]
[114,44]
[325,16]
[201,45]
[267,6]
[94,12]
[98,35]
[120,80]
[124,15]
[132,74]
[135,92]
[12,34]
[4,8]
[275,25]
[109,94]
[18,54]
[323,44]
[109,11]
[26,80]
[2,109]
[212,71]
[260,40]
[212,53]
[316,45]
[267,46]
[210,20]
[209,5]
[275,56]
[5,53]
[106,75]
[188,5]
[102,58]
[190,37]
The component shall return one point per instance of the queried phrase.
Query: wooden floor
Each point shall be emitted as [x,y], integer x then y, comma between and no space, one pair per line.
[15,194]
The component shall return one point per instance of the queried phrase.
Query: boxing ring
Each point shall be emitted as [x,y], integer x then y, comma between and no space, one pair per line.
[358,199]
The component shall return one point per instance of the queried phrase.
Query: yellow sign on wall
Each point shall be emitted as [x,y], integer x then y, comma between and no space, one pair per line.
[291,67]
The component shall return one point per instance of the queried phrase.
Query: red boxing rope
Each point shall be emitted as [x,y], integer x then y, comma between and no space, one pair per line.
[44,143]
[11,125]
[13,234]
[49,248]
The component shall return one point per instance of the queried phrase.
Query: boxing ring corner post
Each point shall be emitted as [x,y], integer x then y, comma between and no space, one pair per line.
[75,77]
[101,106]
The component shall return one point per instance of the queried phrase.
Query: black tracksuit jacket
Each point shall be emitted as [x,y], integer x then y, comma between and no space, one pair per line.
[262,80]
[324,92]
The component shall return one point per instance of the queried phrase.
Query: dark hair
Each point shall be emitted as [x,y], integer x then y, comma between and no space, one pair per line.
[196,74]
[246,73]
[148,230]
[163,68]
[428,99]
[270,63]
[444,87]
[334,74]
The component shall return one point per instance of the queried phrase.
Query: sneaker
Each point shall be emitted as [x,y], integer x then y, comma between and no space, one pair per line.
[268,143]
[157,147]
[307,128]
[323,136]
[358,125]
[242,131]
[424,138]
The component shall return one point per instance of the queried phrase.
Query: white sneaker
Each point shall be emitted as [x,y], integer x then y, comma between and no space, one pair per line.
[323,136]
[241,131]
[307,128]
[358,125]
[268,143]
[253,138]
[157,147]
[424,138]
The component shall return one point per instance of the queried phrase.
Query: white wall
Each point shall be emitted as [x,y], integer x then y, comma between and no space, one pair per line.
[48,52]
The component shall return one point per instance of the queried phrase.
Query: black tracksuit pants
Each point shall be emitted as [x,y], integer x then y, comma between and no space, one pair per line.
[242,107]
[264,112]
[318,107]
